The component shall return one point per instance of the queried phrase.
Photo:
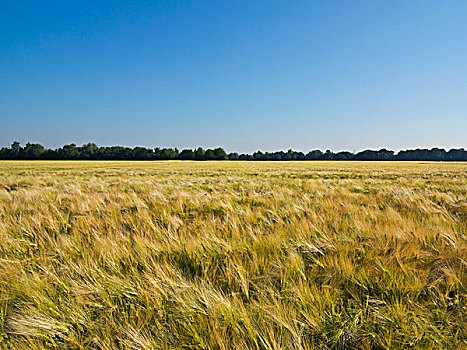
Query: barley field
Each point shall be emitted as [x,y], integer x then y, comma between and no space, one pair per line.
[233,255]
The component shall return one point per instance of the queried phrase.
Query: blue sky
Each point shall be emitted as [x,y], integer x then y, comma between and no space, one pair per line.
[245,75]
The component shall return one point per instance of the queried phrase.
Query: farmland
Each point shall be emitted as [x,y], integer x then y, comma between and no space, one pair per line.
[224,255]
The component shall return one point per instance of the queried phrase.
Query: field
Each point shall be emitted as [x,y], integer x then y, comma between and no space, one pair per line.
[233,255]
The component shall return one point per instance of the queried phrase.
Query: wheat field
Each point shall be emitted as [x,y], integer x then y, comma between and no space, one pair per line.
[233,255]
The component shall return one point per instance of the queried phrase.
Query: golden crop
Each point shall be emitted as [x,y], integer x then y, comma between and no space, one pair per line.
[233,255]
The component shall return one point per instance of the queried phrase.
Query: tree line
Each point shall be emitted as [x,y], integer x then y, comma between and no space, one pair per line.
[90,151]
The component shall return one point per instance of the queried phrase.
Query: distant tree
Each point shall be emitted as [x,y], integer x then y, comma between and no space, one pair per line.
[69,152]
[33,150]
[16,148]
[343,156]
[4,153]
[328,155]
[258,155]
[209,154]
[157,153]
[244,156]
[457,155]
[199,154]
[219,154]
[384,154]
[281,155]
[89,151]
[92,151]
[142,153]
[300,156]
[187,154]
[314,155]
[438,154]
[169,153]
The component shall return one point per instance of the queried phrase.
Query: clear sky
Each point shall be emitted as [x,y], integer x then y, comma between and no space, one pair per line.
[245,75]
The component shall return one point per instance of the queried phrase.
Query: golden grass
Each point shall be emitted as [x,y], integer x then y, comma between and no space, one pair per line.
[233,255]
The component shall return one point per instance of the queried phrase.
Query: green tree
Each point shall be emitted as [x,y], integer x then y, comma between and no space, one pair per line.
[33,150]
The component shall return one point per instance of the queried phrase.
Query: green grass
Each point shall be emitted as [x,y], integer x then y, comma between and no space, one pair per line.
[233,255]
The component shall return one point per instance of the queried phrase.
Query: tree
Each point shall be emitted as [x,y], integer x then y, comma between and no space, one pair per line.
[169,153]
[209,154]
[258,155]
[88,150]
[92,151]
[343,156]
[141,153]
[314,155]
[199,154]
[219,154]
[69,152]
[15,147]
[328,155]
[187,154]
[33,150]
